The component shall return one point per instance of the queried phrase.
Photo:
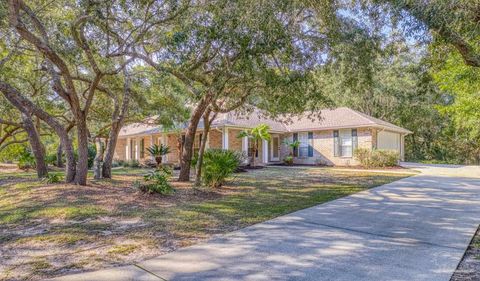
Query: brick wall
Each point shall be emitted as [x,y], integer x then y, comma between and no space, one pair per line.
[172,142]
[234,142]
[215,139]
[323,146]
[120,149]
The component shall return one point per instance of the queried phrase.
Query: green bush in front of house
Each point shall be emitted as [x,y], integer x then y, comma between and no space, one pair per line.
[156,181]
[132,163]
[372,158]
[218,165]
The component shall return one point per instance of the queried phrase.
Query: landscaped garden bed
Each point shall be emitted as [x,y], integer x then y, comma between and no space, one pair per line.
[54,229]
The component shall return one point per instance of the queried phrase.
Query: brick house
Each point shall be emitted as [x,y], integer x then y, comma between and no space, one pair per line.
[329,140]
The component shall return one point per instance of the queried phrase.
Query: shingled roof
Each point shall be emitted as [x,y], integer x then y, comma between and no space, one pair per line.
[342,117]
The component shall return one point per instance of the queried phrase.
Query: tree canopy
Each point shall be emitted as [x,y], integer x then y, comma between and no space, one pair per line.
[75,72]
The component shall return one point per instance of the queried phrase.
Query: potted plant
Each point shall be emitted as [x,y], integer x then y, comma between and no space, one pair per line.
[288,159]
[158,151]
[293,145]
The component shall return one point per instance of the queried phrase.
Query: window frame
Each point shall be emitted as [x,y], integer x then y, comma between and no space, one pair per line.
[304,144]
[341,138]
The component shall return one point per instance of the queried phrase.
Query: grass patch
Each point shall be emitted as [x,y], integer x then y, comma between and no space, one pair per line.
[69,212]
[110,223]
[61,239]
[123,250]
[39,264]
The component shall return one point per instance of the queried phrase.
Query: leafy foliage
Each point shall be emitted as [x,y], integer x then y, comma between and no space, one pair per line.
[292,144]
[256,135]
[219,164]
[377,157]
[132,163]
[157,151]
[26,160]
[156,181]
[52,178]
[288,160]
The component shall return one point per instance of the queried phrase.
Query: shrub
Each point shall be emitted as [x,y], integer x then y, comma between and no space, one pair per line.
[132,163]
[194,161]
[92,152]
[157,151]
[26,160]
[288,160]
[156,182]
[218,165]
[377,157]
[51,159]
[118,163]
[52,178]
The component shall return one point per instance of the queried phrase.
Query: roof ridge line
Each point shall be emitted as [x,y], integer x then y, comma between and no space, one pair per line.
[361,115]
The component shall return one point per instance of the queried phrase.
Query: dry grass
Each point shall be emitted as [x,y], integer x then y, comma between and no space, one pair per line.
[50,230]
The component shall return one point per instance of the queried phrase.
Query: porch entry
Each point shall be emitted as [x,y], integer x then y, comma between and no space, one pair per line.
[275,148]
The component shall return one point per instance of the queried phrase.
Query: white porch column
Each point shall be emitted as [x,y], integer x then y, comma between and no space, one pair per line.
[164,142]
[127,149]
[152,142]
[137,149]
[225,138]
[245,148]
[265,151]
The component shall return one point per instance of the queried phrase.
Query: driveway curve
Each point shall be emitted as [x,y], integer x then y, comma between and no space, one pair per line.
[417,228]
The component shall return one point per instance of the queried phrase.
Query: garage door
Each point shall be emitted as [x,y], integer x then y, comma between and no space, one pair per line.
[388,140]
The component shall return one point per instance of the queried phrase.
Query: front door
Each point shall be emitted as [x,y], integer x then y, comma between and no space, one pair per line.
[274,148]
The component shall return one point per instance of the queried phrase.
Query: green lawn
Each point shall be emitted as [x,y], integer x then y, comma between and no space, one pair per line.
[49,230]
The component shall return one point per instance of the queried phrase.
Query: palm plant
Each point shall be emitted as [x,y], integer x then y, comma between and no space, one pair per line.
[157,151]
[293,145]
[256,135]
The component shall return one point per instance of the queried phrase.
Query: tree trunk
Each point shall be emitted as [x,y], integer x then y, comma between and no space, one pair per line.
[70,163]
[59,156]
[179,148]
[110,151]
[25,105]
[82,139]
[118,118]
[206,130]
[97,165]
[189,138]
[36,145]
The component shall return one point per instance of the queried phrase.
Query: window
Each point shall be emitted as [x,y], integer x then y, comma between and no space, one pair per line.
[345,141]
[303,147]
[310,144]
[295,150]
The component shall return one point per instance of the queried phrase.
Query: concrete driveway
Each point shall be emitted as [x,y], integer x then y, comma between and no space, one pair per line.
[412,229]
